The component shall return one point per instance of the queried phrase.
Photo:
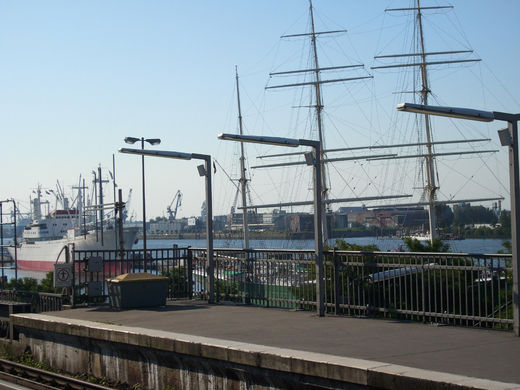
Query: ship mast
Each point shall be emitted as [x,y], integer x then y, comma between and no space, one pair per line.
[243,180]
[431,187]
[318,106]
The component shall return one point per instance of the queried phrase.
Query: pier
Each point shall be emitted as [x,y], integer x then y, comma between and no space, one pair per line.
[190,344]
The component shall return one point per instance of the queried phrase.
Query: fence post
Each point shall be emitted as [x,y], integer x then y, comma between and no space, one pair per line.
[337,266]
[249,277]
[190,273]
[423,297]
[119,210]
[72,289]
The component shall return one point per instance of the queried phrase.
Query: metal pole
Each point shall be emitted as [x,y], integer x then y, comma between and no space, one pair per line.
[144,208]
[15,245]
[2,238]
[101,213]
[318,225]
[318,243]
[115,199]
[95,202]
[120,206]
[209,229]
[515,208]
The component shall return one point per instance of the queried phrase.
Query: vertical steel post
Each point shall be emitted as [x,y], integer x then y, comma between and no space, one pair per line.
[515,208]
[144,207]
[115,199]
[209,227]
[15,245]
[337,290]
[95,209]
[190,273]
[2,239]
[318,243]
[101,211]
[119,207]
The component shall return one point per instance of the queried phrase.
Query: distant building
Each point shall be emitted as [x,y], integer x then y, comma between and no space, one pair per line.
[300,223]
[168,227]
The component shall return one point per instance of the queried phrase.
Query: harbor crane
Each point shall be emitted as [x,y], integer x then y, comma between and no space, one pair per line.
[177,199]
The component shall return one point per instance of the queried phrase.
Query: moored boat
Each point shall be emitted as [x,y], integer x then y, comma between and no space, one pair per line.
[44,238]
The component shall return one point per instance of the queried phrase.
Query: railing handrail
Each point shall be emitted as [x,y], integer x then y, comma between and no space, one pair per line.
[368,253]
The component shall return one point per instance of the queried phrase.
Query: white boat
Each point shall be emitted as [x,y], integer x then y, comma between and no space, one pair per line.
[44,238]
[41,255]
[421,237]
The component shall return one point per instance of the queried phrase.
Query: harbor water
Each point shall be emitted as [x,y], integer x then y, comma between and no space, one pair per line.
[458,246]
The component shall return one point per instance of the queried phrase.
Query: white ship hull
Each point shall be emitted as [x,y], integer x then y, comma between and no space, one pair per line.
[42,255]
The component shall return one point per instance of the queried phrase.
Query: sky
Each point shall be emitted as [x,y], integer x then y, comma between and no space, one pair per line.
[78,77]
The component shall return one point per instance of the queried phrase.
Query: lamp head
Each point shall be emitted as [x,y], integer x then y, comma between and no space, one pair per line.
[202,170]
[279,141]
[505,137]
[309,158]
[157,153]
[153,141]
[453,112]
[131,140]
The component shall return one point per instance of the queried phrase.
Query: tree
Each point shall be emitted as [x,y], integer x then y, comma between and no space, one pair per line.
[414,245]
[345,246]
[505,219]
[467,215]
[444,215]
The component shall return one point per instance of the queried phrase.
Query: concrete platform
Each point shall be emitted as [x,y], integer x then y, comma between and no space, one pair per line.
[442,354]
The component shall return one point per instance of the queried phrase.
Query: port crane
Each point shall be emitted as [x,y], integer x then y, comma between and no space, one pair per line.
[177,199]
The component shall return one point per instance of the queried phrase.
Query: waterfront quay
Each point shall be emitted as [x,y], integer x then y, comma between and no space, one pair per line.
[191,344]
[391,320]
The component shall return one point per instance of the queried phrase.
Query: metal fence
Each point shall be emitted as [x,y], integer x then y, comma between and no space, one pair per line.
[448,288]
[460,289]
[451,288]
[40,302]
[91,284]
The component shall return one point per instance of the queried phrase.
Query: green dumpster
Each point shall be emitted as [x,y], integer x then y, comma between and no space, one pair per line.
[137,290]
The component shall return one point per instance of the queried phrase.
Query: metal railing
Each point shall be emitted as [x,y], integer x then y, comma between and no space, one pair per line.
[460,289]
[448,288]
[91,285]
[40,302]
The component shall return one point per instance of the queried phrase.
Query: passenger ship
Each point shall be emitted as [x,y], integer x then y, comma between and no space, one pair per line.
[44,238]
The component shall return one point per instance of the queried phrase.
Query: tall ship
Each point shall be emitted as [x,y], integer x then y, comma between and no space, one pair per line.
[395,176]
[46,236]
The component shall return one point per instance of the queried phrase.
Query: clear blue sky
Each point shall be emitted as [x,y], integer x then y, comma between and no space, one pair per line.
[77,77]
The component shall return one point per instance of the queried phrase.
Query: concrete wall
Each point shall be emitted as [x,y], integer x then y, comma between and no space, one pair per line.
[157,359]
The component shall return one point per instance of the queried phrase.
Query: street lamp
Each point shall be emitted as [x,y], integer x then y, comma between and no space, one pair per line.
[314,160]
[204,170]
[151,141]
[508,137]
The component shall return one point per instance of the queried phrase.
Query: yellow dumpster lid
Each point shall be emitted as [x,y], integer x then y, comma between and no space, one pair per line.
[137,277]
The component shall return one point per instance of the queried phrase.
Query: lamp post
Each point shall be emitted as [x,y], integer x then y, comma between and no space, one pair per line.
[204,170]
[151,141]
[314,160]
[508,137]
